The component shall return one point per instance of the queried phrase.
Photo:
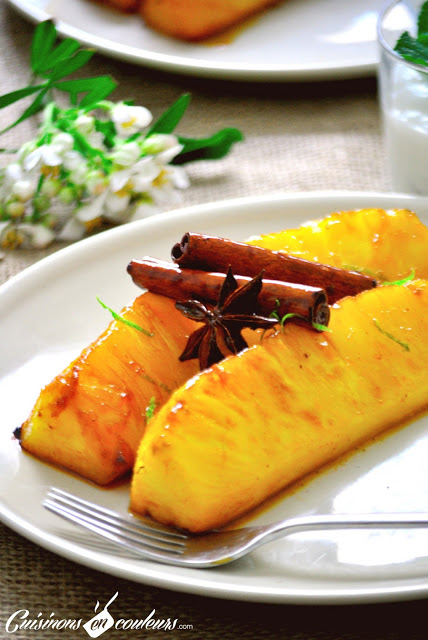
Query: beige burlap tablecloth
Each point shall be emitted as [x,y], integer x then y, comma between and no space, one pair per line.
[298,138]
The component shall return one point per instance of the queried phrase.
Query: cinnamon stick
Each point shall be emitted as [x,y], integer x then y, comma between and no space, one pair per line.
[210,253]
[170,280]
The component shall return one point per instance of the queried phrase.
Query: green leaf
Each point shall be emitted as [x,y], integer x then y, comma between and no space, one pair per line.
[119,318]
[412,49]
[108,130]
[68,66]
[423,21]
[63,51]
[14,96]
[95,88]
[212,148]
[172,116]
[42,44]
[36,106]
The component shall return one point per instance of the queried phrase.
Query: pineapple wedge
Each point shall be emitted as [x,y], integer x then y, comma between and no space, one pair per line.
[91,417]
[197,20]
[238,433]
[386,244]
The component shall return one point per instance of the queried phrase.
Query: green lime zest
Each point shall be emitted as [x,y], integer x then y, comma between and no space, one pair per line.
[390,336]
[129,323]
[150,409]
[289,316]
[401,282]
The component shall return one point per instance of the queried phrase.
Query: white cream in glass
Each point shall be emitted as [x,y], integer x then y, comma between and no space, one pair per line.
[403,93]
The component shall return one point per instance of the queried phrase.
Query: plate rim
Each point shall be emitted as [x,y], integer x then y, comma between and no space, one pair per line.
[280,595]
[202,68]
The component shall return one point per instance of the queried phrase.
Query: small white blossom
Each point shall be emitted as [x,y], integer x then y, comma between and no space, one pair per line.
[129,119]
[27,235]
[59,188]
[72,231]
[178,177]
[139,177]
[13,172]
[72,159]
[79,174]
[92,210]
[127,154]
[143,210]
[116,207]
[95,183]
[164,146]
[24,189]
[62,142]
[84,124]
[37,236]
[45,155]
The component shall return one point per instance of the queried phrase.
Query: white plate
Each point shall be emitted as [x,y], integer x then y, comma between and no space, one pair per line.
[50,311]
[297,40]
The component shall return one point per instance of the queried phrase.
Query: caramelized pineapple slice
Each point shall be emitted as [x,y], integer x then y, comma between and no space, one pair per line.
[238,433]
[91,417]
[191,20]
[385,244]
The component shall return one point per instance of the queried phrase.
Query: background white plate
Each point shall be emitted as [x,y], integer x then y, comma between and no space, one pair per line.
[50,311]
[297,40]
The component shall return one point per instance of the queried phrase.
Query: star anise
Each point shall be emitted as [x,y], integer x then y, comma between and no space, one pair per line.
[221,334]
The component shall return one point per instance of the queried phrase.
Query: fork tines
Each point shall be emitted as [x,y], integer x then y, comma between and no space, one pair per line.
[142,535]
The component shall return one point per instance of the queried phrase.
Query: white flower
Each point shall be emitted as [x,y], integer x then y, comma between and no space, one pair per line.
[45,155]
[178,177]
[79,174]
[84,124]
[92,210]
[166,156]
[49,155]
[72,231]
[37,236]
[13,173]
[25,149]
[116,207]
[129,119]
[138,177]
[62,142]
[95,183]
[72,160]
[164,146]
[24,189]
[96,140]
[126,154]
[143,210]
[25,234]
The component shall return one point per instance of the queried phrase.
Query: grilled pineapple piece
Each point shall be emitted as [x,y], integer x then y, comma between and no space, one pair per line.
[91,417]
[191,20]
[238,433]
[384,244]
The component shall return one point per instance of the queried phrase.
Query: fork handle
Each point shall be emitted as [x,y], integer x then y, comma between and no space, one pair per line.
[346,521]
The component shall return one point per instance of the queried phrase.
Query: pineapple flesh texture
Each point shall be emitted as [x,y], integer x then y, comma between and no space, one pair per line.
[198,20]
[238,433]
[91,417]
[386,244]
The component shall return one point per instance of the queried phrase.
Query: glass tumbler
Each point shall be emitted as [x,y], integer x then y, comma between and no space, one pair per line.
[403,95]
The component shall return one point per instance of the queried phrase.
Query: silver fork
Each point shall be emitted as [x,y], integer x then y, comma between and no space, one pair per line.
[172,546]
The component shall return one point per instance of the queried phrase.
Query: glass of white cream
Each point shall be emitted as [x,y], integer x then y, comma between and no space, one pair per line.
[403,94]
